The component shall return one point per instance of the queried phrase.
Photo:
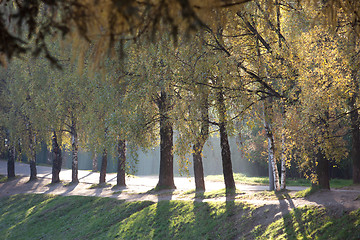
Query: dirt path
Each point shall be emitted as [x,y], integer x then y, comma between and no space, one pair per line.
[338,200]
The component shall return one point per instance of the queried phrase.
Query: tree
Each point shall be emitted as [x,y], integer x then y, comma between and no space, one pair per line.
[23,116]
[348,28]
[323,84]
[150,72]
[128,20]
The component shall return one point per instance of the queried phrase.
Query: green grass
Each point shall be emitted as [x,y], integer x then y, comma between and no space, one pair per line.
[102,185]
[339,183]
[212,194]
[243,179]
[31,216]
[272,195]
[313,223]
[3,178]
[307,192]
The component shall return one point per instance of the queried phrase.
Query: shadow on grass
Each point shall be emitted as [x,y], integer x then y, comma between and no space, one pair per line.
[118,190]
[162,193]
[293,223]
[9,185]
[4,179]
[163,219]
[199,195]
[100,185]
[70,187]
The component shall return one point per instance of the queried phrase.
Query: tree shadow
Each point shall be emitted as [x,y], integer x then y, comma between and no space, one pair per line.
[45,175]
[293,222]
[163,213]
[70,187]
[8,185]
[202,213]
[165,194]
[199,196]
[34,183]
[112,179]
[87,175]
[118,190]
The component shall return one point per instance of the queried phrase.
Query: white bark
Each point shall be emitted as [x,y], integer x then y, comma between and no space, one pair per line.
[283,158]
[283,162]
[271,146]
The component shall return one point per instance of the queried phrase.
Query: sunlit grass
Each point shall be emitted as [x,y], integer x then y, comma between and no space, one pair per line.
[307,192]
[100,185]
[243,179]
[313,223]
[212,194]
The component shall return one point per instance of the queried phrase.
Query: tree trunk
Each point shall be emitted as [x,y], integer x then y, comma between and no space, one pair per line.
[75,149]
[94,162]
[57,159]
[271,174]
[166,175]
[121,168]
[322,171]
[355,147]
[103,167]
[198,168]
[11,163]
[271,145]
[224,144]
[271,151]
[32,160]
[322,164]
[199,145]
[355,131]
[283,162]
[283,157]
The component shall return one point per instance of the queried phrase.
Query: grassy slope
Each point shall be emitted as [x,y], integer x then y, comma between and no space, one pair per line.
[58,217]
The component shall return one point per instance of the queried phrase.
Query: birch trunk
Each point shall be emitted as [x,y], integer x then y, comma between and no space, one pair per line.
[283,158]
[271,144]
[283,162]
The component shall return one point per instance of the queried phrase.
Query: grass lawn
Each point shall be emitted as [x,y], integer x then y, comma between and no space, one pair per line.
[31,216]
[242,178]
